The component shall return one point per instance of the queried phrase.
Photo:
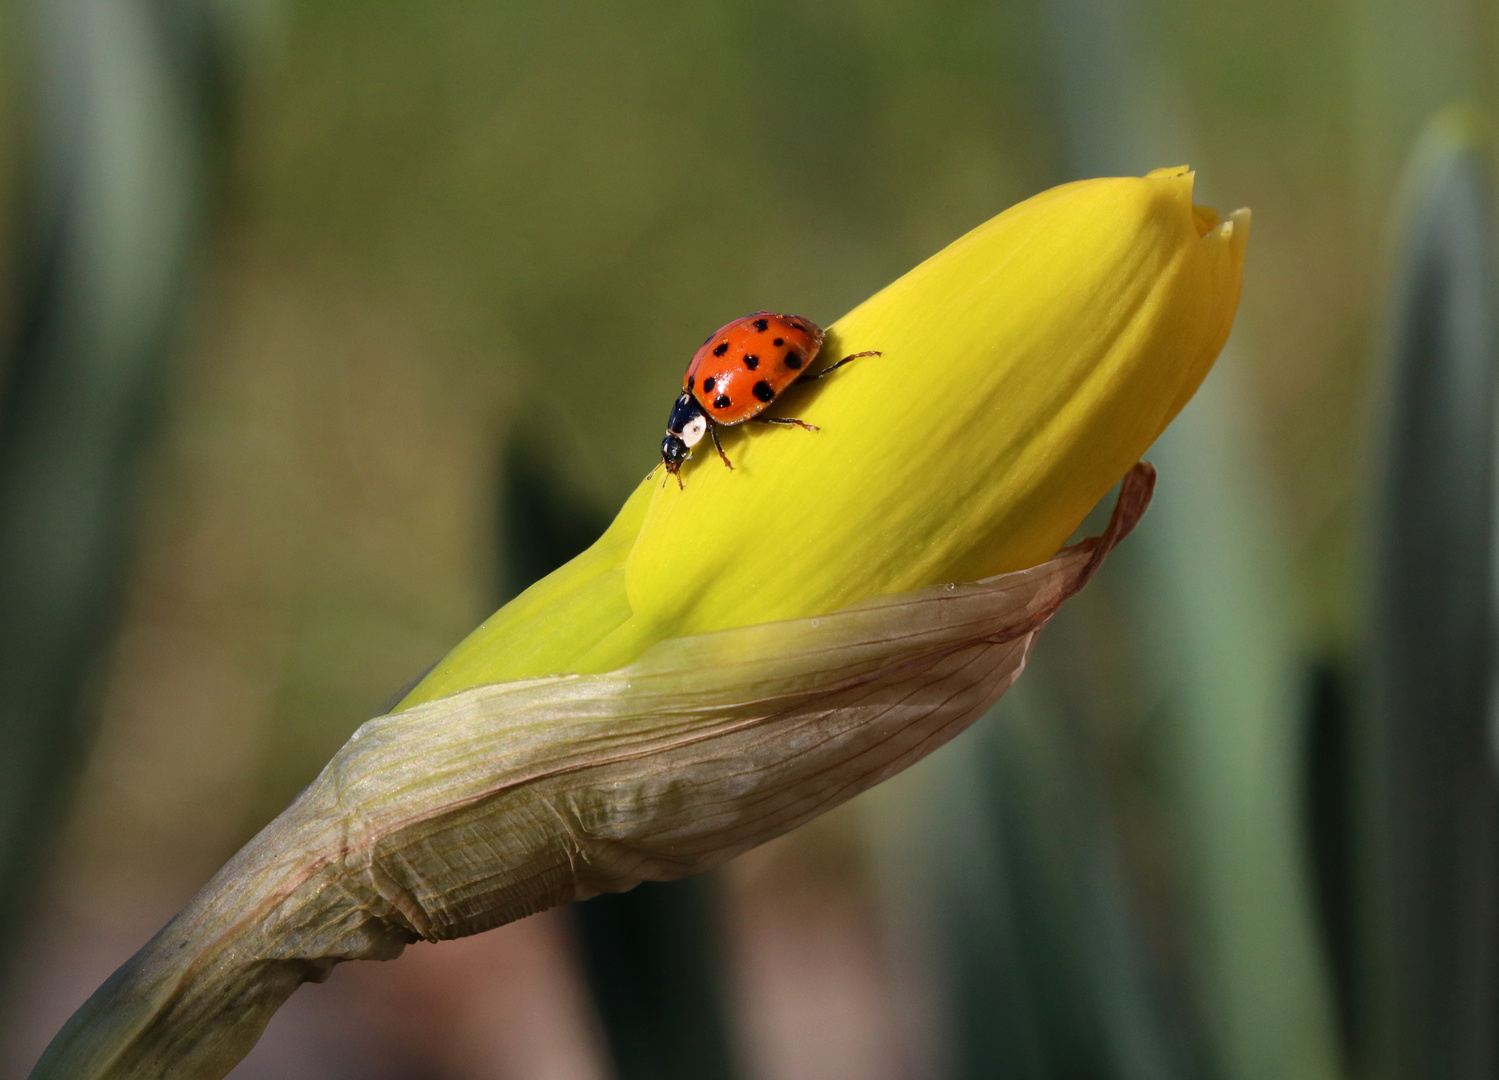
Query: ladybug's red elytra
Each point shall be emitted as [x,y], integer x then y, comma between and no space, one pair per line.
[736,375]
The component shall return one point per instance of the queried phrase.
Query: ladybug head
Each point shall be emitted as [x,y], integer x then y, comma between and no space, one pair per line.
[673,452]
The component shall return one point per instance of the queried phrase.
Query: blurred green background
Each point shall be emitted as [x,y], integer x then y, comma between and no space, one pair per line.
[328,326]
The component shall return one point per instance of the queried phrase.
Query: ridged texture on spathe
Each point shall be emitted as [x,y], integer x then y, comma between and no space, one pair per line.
[457,816]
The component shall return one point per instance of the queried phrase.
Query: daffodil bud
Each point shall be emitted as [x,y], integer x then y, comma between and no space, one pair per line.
[1022,371]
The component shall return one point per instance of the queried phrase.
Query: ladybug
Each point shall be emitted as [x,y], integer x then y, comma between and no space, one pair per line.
[736,375]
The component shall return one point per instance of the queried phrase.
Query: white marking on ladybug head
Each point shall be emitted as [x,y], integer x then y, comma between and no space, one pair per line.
[694,430]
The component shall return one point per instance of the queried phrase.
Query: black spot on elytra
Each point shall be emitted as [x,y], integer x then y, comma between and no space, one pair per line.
[798,326]
[794,360]
[690,380]
[721,348]
[721,401]
[751,361]
[708,385]
[761,325]
[763,391]
[779,342]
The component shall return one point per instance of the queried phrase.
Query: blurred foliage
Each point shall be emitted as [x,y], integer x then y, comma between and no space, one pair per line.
[12,65]
[1428,799]
[653,958]
[111,173]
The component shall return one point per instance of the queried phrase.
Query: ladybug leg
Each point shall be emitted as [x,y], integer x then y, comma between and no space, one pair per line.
[713,430]
[834,367]
[786,420]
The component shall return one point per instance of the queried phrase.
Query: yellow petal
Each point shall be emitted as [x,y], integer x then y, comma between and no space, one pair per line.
[548,627]
[1024,369]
